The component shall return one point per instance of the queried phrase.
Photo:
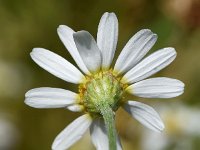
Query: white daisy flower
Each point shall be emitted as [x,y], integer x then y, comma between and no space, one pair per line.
[101,88]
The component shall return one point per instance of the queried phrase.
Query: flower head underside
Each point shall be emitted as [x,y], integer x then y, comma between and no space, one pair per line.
[101,87]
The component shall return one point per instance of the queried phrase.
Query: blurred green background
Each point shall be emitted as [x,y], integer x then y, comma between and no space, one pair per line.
[25,24]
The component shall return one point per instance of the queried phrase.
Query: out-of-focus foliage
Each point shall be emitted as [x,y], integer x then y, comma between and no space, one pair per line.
[25,24]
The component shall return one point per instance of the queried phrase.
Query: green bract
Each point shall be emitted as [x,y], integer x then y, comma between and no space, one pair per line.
[103,88]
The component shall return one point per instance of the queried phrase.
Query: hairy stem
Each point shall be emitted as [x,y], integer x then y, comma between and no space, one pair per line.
[109,120]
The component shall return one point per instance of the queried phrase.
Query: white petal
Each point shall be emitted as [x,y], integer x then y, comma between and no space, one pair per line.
[136,48]
[107,37]
[99,135]
[72,133]
[56,65]
[46,97]
[150,65]
[66,36]
[157,88]
[88,50]
[75,108]
[145,114]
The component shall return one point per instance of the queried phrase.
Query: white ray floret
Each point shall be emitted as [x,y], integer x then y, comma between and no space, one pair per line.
[136,48]
[66,35]
[107,37]
[50,98]
[76,108]
[99,135]
[161,87]
[150,65]
[72,133]
[145,114]
[88,50]
[56,65]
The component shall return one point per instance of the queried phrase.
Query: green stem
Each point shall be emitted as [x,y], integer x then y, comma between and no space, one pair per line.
[108,117]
